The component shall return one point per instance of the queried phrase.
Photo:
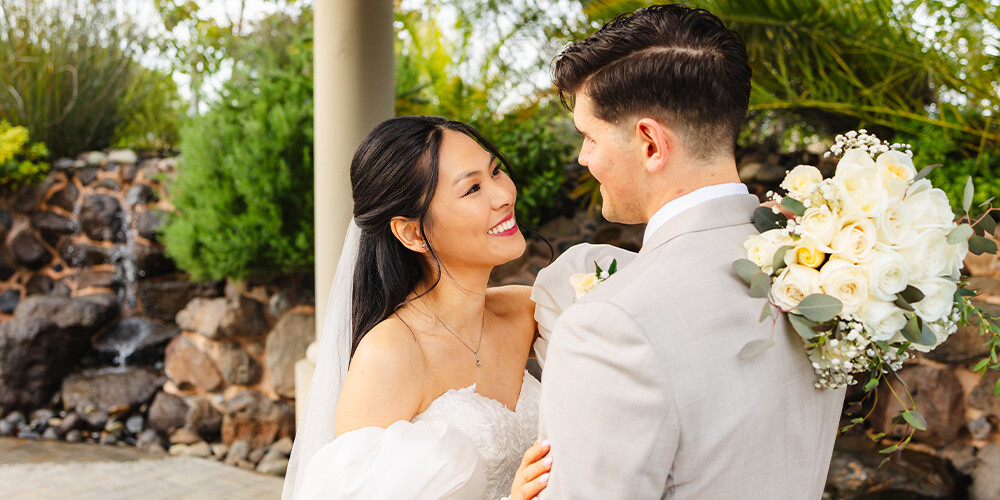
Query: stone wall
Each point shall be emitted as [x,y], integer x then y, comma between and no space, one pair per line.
[103,339]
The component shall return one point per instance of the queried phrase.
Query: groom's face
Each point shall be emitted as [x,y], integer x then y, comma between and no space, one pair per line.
[610,152]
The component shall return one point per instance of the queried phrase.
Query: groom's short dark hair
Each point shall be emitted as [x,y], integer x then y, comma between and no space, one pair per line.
[674,63]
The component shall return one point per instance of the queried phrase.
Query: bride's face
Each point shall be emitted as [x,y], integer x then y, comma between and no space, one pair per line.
[471,219]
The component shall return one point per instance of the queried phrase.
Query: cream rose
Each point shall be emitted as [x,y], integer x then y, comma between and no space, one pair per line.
[862,182]
[801,179]
[927,257]
[793,284]
[889,274]
[761,248]
[895,226]
[819,225]
[846,282]
[806,254]
[928,206]
[856,239]
[939,298]
[882,318]
[897,171]
[583,283]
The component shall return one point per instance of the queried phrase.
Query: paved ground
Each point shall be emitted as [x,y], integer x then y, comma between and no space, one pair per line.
[43,470]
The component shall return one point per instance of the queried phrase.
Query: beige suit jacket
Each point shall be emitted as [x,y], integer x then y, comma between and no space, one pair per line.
[643,392]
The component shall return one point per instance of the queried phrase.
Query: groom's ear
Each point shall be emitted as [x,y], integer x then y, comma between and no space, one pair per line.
[656,142]
[407,231]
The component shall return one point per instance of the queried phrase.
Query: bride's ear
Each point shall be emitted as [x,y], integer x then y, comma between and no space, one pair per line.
[407,231]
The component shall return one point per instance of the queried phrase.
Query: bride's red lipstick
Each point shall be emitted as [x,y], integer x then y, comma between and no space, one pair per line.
[512,230]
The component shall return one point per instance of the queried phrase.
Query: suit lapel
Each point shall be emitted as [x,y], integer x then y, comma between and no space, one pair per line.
[719,212]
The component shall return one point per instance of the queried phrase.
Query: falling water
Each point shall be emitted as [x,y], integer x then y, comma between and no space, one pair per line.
[123,255]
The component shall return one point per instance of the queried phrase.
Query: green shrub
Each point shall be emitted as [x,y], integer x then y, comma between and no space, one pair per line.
[19,165]
[939,146]
[244,194]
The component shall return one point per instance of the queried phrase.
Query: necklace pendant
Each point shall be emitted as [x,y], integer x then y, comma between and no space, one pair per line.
[478,364]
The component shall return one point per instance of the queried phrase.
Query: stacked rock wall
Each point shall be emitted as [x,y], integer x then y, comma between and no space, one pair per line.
[102,338]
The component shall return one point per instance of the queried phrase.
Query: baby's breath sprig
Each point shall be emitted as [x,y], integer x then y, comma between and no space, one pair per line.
[869,143]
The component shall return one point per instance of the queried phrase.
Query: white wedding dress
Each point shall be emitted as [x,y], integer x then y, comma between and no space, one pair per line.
[464,446]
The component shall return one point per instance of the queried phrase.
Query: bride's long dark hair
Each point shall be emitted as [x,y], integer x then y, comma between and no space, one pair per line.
[394,173]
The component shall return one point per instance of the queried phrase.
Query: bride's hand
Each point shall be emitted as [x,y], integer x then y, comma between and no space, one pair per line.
[533,474]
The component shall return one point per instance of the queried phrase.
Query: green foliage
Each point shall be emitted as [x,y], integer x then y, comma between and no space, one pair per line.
[152,123]
[436,75]
[70,71]
[244,195]
[19,161]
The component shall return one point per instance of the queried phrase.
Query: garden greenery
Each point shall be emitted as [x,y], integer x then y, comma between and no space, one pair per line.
[20,162]
[244,194]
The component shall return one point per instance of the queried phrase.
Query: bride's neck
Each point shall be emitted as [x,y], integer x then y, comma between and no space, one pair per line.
[458,299]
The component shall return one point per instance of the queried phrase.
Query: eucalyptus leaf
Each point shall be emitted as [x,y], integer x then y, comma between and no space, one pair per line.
[979,245]
[746,269]
[914,418]
[912,294]
[755,347]
[794,206]
[765,312]
[924,171]
[802,326]
[966,292]
[902,303]
[779,257]
[820,307]
[987,202]
[912,329]
[981,365]
[927,336]
[760,285]
[890,449]
[970,191]
[996,388]
[959,234]
[764,219]
[986,225]
[871,384]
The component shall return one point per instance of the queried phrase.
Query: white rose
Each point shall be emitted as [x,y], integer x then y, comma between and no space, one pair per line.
[856,239]
[820,225]
[928,206]
[882,318]
[846,282]
[889,274]
[897,171]
[954,258]
[793,284]
[862,182]
[805,253]
[894,225]
[939,298]
[928,256]
[583,283]
[761,248]
[801,179]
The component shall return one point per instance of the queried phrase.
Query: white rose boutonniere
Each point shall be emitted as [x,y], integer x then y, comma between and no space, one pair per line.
[585,282]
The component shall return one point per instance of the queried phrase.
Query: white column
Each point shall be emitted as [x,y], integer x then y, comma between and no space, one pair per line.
[353,91]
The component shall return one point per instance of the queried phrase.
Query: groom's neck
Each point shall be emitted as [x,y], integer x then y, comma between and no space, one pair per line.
[686,177]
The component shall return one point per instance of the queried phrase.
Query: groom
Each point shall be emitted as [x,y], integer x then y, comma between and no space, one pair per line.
[644,394]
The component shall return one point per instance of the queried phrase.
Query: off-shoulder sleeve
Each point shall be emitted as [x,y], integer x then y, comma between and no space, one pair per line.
[426,460]
[552,292]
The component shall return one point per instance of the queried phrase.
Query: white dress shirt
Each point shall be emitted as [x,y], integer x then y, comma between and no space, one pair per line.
[682,203]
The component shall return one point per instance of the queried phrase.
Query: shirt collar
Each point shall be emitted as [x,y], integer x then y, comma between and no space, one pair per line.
[682,203]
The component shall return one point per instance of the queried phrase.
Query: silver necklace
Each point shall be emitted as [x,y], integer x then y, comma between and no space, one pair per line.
[483,329]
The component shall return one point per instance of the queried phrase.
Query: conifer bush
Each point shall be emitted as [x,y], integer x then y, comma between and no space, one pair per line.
[244,193]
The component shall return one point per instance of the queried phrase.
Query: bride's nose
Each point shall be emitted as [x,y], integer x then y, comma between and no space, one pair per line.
[503,196]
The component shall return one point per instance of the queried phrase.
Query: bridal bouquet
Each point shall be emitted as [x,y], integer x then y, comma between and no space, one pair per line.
[866,265]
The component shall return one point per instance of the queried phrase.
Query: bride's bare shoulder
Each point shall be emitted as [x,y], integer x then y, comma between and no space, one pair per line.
[384,379]
[510,300]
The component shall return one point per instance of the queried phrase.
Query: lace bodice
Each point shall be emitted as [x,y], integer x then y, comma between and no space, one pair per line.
[501,436]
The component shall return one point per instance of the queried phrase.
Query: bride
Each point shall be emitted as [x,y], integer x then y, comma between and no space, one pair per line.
[436,402]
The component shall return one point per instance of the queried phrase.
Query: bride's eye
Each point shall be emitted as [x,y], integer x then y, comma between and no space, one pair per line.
[497,169]
[473,189]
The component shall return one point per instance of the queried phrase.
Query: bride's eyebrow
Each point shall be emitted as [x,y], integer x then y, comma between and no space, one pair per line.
[472,173]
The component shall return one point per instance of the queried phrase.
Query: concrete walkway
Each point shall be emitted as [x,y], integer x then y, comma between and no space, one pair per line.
[43,470]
